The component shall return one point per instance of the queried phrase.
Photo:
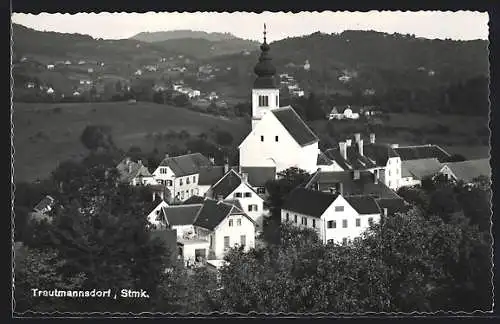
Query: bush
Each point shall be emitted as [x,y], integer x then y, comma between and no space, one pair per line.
[57,110]
[223,138]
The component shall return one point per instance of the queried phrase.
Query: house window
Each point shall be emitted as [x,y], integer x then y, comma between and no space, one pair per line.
[238,222]
[262,138]
[248,194]
[287,217]
[237,195]
[332,224]
[389,172]
[314,223]
[370,221]
[263,101]
[194,179]
[339,208]
[169,183]
[344,240]
[230,223]
[276,138]
[180,182]
[304,221]
[252,207]
[389,183]
[295,218]
[192,192]
[344,223]
[182,195]
[261,190]
[277,102]
[187,181]
[243,240]
[226,242]
[358,222]
[330,241]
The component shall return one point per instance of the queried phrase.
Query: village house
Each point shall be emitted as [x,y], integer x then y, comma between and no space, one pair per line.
[234,185]
[297,93]
[211,174]
[212,96]
[138,72]
[155,217]
[134,173]
[307,66]
[50,91]
[30,85]
[180,174]
[380,159]
[335,218]
[210,229]
[343,113]
[467,171]
[414,171]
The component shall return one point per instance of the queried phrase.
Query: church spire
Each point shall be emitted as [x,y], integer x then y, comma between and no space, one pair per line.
[264,69]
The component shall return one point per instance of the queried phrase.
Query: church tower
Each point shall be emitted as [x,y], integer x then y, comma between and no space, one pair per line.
[265,93]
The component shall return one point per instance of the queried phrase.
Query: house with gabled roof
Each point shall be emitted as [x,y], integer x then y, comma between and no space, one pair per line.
[350,183]
[180,174]
[234,185]
[42,209]
[414,171]
[279,137]
[134,173]
[467,171]
[155,217]
[209,229]
[336,219]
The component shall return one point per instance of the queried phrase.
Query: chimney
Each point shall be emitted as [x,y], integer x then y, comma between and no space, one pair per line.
[339,188]
[356,175]
[212,160]
[127,160]
[244,176]
[130,168]
[348,142]
[372,138]
[360,147]
[343,149]
[375,176]
[226,166]
[167,156]
[385,212]
[357,137]
[220,197]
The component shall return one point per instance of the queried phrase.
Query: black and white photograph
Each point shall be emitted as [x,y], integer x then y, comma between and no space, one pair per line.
[327,162]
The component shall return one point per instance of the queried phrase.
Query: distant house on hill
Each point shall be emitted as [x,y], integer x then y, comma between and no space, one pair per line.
[50,66]
[50,91]
[346,112]
[42,209]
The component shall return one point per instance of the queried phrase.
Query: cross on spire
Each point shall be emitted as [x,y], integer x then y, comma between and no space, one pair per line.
[265,32]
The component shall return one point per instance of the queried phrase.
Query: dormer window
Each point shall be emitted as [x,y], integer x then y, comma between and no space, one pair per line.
[263,101]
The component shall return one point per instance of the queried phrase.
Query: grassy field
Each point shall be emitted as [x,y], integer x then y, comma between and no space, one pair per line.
[466,135]
[45,136]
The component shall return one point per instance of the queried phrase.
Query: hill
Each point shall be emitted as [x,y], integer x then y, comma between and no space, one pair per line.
[151,37]
[373,59]
[202,48]
[46,134]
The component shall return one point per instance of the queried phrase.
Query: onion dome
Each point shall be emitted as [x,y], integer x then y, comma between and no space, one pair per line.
[264,69]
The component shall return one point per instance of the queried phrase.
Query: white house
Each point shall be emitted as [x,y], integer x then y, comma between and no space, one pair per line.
[224,226]
[50,91]
[210,229]
[155,217]
[236,186]
[41,210]
[180,174]
[134,173]
[297,93]
[138,72]
[212,96]
[336,219]
[307,66]
[345,113]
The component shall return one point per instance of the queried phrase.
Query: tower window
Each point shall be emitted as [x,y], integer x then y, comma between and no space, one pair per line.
[263,101]
[277,102]
[276,138]
[262,138]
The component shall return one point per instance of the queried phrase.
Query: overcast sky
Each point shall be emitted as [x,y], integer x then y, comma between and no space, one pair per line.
[464,25]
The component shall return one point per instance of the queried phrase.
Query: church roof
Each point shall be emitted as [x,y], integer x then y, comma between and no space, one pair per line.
[295,126]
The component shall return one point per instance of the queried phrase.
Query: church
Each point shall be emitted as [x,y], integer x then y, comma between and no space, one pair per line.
[279,137]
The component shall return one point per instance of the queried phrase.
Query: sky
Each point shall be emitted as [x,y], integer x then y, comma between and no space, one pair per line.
[460,25]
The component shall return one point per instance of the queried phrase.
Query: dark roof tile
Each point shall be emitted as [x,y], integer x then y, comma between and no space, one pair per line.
[422,152]
[297,128]
[308,202]
[181,214]
[364,205]
[188,164]
[212,214]
[258,176]
[226,185]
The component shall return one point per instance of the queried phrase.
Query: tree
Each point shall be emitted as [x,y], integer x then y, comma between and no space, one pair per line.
[223,138]
[95,137]
[181,100]
[42,269]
